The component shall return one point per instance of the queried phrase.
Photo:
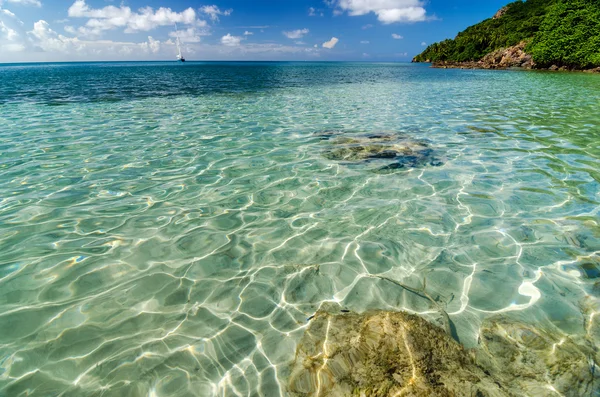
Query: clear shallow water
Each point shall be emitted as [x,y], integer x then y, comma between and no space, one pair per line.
[166,230]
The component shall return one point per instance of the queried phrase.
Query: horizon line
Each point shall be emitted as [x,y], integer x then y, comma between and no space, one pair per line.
[207,61]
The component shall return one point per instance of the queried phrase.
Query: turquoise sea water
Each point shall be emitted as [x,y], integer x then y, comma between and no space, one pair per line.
[167,230]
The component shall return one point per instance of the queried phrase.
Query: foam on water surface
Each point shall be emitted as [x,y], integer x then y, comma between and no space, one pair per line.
[168,231]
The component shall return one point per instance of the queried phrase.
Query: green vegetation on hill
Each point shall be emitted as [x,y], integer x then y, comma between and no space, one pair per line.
[559,32]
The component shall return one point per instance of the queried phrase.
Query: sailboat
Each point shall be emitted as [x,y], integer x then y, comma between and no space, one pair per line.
[180,57]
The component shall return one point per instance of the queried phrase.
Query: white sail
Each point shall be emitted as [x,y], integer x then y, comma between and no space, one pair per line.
[179,55]
[178,49]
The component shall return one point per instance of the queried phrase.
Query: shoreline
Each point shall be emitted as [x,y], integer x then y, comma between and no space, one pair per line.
[515,57]
[484,66]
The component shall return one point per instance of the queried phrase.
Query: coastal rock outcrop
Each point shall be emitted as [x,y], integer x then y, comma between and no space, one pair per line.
[500,13]
[514,56]
[385,353]
[503,58]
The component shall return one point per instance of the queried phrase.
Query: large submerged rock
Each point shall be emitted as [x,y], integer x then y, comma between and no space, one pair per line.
[398,354]
[396,150]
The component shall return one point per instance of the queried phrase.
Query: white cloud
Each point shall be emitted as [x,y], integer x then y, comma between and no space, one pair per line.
[47,40]
[111,17]
[423,43]
[331,43]
[365,42]
[246,33]
[296,34]
[44,44]
[7,12]
[36,3]
[397,36]
[40,43]
[214,12]
[387,11]
[8,33]
[231,41]
[13,37]
[367,26]
[265,51]
[189,35]
[256,27]
[152,45]
[313,12]
[73,49]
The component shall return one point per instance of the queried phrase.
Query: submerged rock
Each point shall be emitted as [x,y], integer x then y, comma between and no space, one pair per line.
[538,362]
[383,354]
[401,150]
[394,353]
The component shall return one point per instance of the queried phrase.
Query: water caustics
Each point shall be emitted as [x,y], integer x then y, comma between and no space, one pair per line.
[169,230]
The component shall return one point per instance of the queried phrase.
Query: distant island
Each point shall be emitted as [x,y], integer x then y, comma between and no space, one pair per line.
[531,34]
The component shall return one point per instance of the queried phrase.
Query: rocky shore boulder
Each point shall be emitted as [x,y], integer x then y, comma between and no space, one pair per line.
[514,56]
[504,58]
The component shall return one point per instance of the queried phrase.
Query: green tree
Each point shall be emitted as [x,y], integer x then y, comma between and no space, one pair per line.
[559,32]
[569,35]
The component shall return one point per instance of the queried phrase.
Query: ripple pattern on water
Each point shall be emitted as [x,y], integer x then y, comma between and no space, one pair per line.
[175,244]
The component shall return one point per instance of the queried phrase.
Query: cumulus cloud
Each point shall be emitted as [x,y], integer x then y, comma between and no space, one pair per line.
[397,36]
[39,42]
[231,41]
[42,43]
[247,33]
[36,3]
[423,43]
[8,33]
[213,12]
[331,43]
[12,33]
[145,19]
[387,11]
[47,40]
[367,26]
[189,35]
[296,34]
[10,39]
[152,45]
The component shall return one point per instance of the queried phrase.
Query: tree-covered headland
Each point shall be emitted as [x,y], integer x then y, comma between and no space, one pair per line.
[564,33]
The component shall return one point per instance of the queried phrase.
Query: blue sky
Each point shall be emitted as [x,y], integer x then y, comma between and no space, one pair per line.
[374,30]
